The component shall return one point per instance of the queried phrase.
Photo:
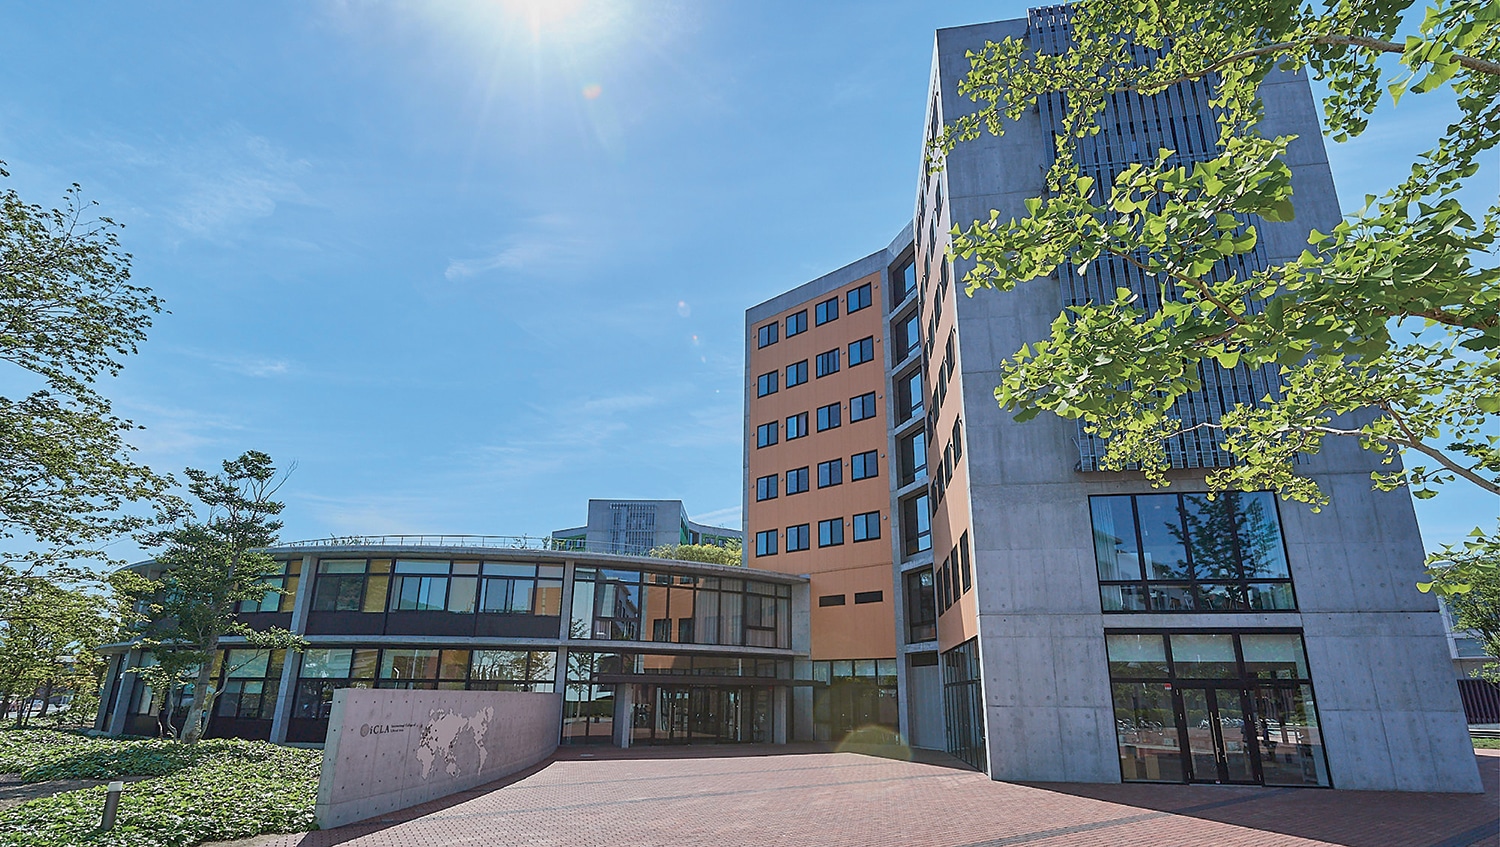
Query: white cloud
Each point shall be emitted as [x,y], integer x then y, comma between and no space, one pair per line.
[259,367]
[730,517]
[543,244]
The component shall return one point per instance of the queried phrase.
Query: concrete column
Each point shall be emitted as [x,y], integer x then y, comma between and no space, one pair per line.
[624,712]
[301,603]
[780,714]
[112,683]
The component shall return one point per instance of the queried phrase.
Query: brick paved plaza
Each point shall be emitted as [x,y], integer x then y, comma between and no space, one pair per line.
[796,796]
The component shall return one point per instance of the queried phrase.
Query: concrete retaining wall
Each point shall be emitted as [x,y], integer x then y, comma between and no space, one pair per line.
[390,750]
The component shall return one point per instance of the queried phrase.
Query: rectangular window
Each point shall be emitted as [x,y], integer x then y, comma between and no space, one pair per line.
[869,597]
[766,335]
[867,526]
[765,543]
[864,465]
[1187,553]
[861,351]
[765,384]
[958,440]
[859,298]
[830,473]
[796,373]
[916,525]
[909,396]
[964,569]
[765,434]
[828,417]
[831,532]
[796,426]
[765,488]
[906,282]
[797,537]
[796,324]
[907,337]
[831,600]
[921,606]
[826,311]
[796,481]
[862,407]
[912,457]
[828,363]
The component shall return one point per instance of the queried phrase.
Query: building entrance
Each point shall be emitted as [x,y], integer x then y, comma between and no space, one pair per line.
[701,714]
[1219,741]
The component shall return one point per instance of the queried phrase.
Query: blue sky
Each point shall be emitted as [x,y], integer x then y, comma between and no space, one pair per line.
[467,267]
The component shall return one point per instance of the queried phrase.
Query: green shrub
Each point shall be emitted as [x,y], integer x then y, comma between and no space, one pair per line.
[217,790]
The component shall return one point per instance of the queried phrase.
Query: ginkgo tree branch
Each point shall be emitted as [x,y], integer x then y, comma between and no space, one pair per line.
[1483,66]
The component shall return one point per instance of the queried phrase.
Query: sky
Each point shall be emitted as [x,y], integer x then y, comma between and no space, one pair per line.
[469,264]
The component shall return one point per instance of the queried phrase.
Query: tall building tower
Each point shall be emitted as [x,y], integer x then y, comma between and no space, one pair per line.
[1052,621]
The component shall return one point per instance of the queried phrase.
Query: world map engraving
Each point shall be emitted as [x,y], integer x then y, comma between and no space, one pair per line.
[442,732]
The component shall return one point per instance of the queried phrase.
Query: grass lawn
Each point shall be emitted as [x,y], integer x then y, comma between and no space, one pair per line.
[1487,743]
[213,791]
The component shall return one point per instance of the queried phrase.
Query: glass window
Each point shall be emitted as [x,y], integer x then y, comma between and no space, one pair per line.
[921,606]
[765,487]
[765,434]
[864,465]
[322,663]
[1262,553]
[907,337]
[796,324]
[1203,656]
[1115,544]
[867,526]
[408,664]
[1165,555]
[830,473]
[906,281]
[963,563]
[916,524]
[861,351]
[797,537]
[826,311]
[766,335]
[796,481]
[827,363]
[1274,656]
[1287,734]
[1146,729]
[912,452]
[765,544]
[765,384]
[909,396]
[828,417]
[1134,655]
[862,407]
[859,298]
[831,532]
[796,426]
[862,597]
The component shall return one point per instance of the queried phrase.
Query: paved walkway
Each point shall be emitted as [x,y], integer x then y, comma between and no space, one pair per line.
[722,798]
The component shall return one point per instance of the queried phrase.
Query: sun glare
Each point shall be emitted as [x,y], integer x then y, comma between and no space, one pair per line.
[542,16]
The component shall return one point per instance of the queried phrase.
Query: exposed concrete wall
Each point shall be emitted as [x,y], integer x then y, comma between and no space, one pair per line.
[390,750]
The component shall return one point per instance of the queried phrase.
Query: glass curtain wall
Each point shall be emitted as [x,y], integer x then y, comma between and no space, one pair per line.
[628,605]
[1215,707]
[963,703]
[854,696]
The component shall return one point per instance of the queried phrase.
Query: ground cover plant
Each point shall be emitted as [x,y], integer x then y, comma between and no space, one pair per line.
[217,790]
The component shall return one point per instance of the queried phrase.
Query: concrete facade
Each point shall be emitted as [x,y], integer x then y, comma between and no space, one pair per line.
[390,750]
[637,526]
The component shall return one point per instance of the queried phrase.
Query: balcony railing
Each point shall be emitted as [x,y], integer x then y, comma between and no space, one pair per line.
[500,542]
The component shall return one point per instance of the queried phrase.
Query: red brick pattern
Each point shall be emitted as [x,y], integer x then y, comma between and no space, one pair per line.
[794,796]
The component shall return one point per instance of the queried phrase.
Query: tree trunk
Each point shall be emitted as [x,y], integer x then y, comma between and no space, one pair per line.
[46,698]
[192,725]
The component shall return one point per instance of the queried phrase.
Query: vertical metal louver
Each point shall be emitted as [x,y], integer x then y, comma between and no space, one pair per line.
[632,528]
[1134,128]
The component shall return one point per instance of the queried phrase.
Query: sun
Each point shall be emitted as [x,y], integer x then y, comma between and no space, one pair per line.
[541,16]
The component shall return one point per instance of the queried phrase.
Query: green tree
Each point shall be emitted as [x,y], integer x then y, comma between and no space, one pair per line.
[211,560]
[1385,329]
[709,554]
[1466,575]
[49,635]
[68,315]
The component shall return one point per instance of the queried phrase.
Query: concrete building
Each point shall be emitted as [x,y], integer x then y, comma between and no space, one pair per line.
[1051,621]
[636,526]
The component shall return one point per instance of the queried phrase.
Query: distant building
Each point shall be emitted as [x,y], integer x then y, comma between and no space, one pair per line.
[633,527]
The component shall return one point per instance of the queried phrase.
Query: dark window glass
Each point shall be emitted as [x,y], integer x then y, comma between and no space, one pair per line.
[859,298]
[796,373]
[1135,656]
[921,606]
[958,439]
[796,324]
[964,569]
[766,335]
[916,524]
[913,457]
[909,396]
[1162,536]
[826,311]
[796,481]
[828,417]
[765,543]
[869,597]
[862,407]
[867,526]
[906,281]
[765,434]
[765,488]
[831,600]
[907,337]
[864,465]
[1203,656]
[831,532]
[828,363]
[797,537]
[796,426]
[830,473]
[861,351]
[765,384]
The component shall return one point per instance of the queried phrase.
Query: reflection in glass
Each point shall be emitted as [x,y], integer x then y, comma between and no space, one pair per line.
[1133,655]
[1161,536]
[1115,542]
[1147,732]
[1274,656]
[1204,656]
[1291,747]
[1261,548]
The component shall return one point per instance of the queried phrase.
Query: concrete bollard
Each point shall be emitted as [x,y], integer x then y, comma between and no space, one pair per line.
[111,805]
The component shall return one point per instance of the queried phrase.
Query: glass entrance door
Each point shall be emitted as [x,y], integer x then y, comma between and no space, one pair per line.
[1218,741]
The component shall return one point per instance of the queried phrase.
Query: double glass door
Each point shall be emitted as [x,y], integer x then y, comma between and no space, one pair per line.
[701,714]
[1219,738]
